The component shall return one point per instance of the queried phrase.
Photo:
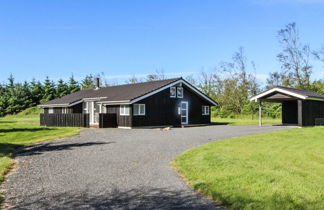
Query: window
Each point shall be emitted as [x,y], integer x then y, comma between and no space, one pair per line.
[173,92]
[180,92]
[50,111]
[124,110]
[205,110]
[64,110]
[139,109]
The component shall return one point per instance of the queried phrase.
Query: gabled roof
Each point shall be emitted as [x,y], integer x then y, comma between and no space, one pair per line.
[290,92]
[128,93]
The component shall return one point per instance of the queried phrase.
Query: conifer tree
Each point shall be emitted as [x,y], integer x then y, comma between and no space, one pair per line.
[37,92]
[62,88]
[73,85]
[88,82]
[49,90]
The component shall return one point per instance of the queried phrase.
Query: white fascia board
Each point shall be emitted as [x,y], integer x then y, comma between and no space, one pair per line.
[170,85]
[60,105]
[113,102]
[257,97]
[75,103]
[200,93]
[93,99]
[53,105]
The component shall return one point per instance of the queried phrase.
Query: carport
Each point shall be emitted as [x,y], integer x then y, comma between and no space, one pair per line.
[299,107]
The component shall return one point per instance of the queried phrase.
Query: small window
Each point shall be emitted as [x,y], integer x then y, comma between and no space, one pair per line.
[50,111]
[124,110]
[139,109]
[205,110]
[64,111]
[180,92]
[173,92]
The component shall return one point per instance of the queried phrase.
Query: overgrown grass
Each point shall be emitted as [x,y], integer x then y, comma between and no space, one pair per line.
[279,170]
[17,131]
[30,116]
[245,120]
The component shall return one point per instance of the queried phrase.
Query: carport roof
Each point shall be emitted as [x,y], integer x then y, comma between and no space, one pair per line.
[280,93]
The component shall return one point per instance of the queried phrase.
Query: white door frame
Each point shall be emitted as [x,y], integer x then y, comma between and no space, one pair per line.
[187,111]
[92,113]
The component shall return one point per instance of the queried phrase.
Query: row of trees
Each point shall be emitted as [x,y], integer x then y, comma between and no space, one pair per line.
[16,97]
[231,83]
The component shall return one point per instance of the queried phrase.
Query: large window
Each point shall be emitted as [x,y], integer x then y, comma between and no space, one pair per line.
[173,92]
[180,92]
[50,111]
[139,109]
[205,110]
[124,110]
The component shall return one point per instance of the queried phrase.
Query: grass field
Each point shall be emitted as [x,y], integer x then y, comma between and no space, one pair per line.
[245,120]
[22,130]
[279,170]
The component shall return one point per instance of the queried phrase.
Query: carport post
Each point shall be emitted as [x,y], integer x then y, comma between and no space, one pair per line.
[260,114]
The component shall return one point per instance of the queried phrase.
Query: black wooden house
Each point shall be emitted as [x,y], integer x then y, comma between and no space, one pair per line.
[171,102]
[299,107]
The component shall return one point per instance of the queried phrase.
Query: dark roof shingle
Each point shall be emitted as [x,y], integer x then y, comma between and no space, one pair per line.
[306,93]
[125,92]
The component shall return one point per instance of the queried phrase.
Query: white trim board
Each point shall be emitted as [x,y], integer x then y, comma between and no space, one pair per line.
[53,105]
[124,127]
[170,85]
[257,97]
[60,105]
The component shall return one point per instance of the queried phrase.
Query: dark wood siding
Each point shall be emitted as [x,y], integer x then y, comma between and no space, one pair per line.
[123,121]
[65,120]
[76,109]
[289,112]
[107,120]
[163,110]
[311,111]
[59,110]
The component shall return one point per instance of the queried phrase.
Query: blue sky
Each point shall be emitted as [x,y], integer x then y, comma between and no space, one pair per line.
[121,38]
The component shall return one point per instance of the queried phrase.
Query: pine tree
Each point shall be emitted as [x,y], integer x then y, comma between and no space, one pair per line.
[88,82]
[37,92]
[49,90]
[62,88]
[3,100]
[73,85]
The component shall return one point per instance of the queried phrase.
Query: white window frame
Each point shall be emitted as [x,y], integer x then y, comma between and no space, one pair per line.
[179,88]
[50,111]
[175,92]
[138,112]
[64,110]
[124,110]
[205,110]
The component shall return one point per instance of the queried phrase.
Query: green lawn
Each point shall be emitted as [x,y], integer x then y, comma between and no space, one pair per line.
[245,120]
[17,131]
[279,170]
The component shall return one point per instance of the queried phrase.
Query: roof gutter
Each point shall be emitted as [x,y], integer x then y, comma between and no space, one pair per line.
[52,105]
[315,99]
[59,105]
[114,102]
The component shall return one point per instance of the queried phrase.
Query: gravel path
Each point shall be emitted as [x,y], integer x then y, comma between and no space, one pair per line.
[113,169]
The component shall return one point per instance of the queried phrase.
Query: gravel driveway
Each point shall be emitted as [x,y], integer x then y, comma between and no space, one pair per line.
[113,169]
